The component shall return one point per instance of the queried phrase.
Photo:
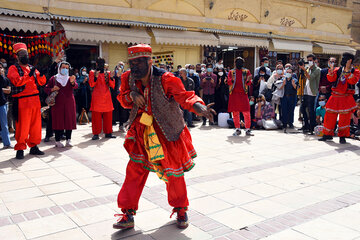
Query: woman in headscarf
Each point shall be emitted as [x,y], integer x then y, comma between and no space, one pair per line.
[83,97]
[64,110]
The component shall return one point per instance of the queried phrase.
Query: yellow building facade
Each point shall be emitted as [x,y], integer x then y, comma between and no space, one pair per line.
[184,31]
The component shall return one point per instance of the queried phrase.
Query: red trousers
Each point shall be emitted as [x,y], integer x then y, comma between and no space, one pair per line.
[247,119]
[134,183]
[28,127]
[344,124]
[100,119]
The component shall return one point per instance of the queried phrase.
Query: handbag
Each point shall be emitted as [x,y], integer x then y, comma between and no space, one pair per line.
[50,100]
[269,124]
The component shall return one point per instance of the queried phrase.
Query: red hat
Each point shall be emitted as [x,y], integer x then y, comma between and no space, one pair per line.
[140,50]
[19,46]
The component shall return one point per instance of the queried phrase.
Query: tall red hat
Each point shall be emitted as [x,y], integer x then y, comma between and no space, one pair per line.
[19,46]
[140,50]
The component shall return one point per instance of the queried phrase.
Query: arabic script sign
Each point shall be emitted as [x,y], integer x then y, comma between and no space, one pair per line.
[234,15]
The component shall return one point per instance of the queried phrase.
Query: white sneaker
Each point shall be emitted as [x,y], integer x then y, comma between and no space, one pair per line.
[68,143]
[59,145]
[237,132]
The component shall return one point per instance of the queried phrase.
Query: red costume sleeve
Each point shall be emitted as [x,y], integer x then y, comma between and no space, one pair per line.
[92,82]
[230,78]
[332,77]
[173,87]
[40,79]
[248,74]
[14,77]
[354,77]
[124,95]
[111,82]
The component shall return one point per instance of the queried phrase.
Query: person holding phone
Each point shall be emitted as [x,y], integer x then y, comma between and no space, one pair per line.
[64,111]
[341,102]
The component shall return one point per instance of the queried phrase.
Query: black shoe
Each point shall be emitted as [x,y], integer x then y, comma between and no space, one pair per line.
[36,151]
[304,129]
[204,123]
[342,140]
[248,133]
[191,125]
[95,137]
[46,139]
[291,126]
[125,221]
[109,135]
[325,138]
[181,219]
[211,123]
[20,154]
[285,130]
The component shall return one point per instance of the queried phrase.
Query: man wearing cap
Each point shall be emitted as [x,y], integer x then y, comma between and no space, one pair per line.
[26,102]
[158,139]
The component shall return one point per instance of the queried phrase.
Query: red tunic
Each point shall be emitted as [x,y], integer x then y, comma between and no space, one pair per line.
[101,96]
[64,110]
[342,100]
[238,99]
[178,154]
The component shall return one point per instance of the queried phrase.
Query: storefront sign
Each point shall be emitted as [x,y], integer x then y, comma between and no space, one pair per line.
[237,16]
[287,22]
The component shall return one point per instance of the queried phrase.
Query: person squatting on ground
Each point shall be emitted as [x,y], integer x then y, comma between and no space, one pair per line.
[101,104]
[341,102]
[64,111]
[26,102]
[238,80]
[156,141]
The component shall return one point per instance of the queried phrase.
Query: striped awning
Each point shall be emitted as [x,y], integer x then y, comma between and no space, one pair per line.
[25,24]
[101,33]
[289,45]
[335,49]
[243,41]
[184,38]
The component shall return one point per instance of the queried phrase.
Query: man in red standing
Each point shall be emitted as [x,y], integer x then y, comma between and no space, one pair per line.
[26,106]
[341,102]
[238,80]
[101,103]
[158,139]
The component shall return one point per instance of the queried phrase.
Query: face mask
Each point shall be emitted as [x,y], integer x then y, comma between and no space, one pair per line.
[24,59]
[83,73]
[221,74]
[322,103]
[279,71]
[251,102]
[266,64]
[288,75]
[311,63]
[64,71]
[202,69]
[4,65]
[262,74]
[209,69]
[191,71]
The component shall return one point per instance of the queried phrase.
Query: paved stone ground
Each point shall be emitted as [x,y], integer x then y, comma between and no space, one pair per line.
[272,186]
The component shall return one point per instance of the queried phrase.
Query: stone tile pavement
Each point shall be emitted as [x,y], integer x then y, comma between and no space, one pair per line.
[272,186]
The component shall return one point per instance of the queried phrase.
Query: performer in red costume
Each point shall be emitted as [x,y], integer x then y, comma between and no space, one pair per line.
[238,80]
[101,103]
[341,102]
[158,139]
[26,106]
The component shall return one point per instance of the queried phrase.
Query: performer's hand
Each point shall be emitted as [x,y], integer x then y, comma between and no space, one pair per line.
[97,73]
[32,71]
[72,79]
[55,88]
[137,98]
[85,80]
[205,111]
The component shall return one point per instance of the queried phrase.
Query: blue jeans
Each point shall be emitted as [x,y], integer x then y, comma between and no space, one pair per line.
[188,117]
[4,125]
[288,104]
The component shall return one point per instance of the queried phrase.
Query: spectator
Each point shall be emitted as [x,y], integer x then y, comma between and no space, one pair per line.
[162,66]
[320,111]
[176,74]
[189,86]
[312,74]
[325,85]
[288,101]
[264,62]
[101,105]
[355,122]
[219,64]
[83,95]
[265,114]
[259,81]
[208,84]
[198,69]
[64,111]
[195,77]
[221,92]
[4,91]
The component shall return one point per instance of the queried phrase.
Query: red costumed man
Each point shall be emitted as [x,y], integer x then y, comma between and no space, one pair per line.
[341,102]
[238,80]
[101,103]
[158,139]
[26,102]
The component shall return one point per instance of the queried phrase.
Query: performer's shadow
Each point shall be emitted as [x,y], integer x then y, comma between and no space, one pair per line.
[239,139]
[340,148]
[168,232]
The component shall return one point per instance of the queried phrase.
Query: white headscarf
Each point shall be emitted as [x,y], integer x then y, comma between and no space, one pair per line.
[62,79]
